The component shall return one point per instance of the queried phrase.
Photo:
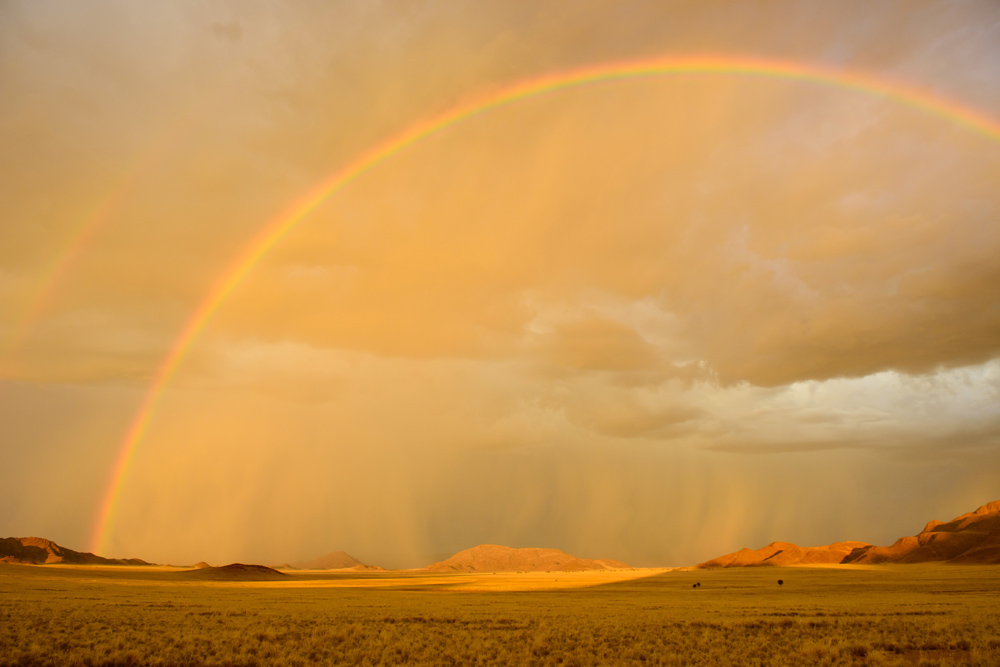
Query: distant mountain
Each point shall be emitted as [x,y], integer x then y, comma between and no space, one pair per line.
[39,551]
[337,560]
[495,558]
[972,538]
[786,553]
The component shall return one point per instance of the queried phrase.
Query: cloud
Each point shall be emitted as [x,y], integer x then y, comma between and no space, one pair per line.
[790,232]
[597,344]
[945,414]
[232,31]
[629,419]
[558,323]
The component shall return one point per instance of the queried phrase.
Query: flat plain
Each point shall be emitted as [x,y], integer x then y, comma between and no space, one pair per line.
[841,615]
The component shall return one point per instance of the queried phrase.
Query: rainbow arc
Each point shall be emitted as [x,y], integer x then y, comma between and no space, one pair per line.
[861,82]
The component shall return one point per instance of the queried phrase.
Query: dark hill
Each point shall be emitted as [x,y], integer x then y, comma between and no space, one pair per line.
[234,572]
[39,551]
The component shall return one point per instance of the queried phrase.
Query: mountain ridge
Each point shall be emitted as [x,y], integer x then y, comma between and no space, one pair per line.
[40,551]
[972,538]
[786,553]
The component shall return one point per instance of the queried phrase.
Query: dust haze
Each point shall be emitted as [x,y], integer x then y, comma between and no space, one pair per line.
[652,320]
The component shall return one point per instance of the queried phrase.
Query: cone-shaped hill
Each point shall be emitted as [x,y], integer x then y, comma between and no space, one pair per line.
[495,558]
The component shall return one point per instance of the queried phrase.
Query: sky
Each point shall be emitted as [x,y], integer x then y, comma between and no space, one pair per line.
[653,319]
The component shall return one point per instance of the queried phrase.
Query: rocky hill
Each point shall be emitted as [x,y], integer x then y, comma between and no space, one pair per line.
[495,558]
[972,538]
[786,553]
[39,551]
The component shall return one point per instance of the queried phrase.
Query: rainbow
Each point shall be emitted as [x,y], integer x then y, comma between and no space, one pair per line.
[100,214]
[906,94]
[41,297]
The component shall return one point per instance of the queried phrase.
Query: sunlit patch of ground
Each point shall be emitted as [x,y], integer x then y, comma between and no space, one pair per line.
[411,580]
[543,581]
[403,579]
[486,581]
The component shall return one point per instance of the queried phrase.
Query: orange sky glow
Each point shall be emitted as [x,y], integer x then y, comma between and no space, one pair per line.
[263,296]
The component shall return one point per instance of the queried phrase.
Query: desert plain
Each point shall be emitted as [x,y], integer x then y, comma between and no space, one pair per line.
[929,614]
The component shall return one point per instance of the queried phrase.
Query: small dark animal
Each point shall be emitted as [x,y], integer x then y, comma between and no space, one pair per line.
[781,582]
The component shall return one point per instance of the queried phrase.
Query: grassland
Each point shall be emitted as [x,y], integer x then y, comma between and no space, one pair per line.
[888,615]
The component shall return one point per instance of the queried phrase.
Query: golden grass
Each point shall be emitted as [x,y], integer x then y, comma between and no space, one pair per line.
[890,615]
